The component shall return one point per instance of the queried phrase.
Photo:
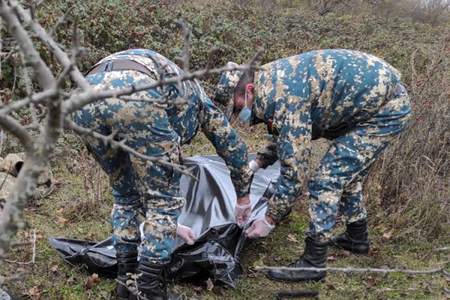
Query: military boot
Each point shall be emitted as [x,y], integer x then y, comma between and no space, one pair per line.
[151,282]
[355,239]
[314,256]
[127,264]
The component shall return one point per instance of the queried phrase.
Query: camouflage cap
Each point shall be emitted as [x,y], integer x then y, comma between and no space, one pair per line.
[224,91]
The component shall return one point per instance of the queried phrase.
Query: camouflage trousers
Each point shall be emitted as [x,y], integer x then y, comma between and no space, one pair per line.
[336,185]
[148,200]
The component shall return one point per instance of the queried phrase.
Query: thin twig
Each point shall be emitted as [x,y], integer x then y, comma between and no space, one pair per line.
[21,244]
[75,43]
[35,98]
[186,37]
[210,60]
[33,258]
[109,140]
[4,180]
[15,277]
[156,101]
[61,21]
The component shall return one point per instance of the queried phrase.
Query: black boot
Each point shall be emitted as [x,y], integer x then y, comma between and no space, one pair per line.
[151,282]
[314,256]
[127,264]
[355,239]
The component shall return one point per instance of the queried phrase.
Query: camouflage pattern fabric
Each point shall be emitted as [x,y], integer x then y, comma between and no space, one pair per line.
[350,97]
[147,194]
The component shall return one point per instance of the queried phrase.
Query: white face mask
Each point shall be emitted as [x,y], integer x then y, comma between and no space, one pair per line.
[246,112]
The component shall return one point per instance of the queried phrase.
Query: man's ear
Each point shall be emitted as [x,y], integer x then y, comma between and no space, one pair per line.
[250,88]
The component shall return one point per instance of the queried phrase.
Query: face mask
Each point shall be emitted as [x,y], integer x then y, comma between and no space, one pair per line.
[246,112]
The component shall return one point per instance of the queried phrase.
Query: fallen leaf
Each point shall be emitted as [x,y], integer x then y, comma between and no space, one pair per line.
[343,253]
[95,277]
[197,289]
[292,238]
[61,220]
[34,293]
[105,295]
[88,284]
[373,252]
[70,280]
[371,281]
[54,268]
[209,284]
[331,286]
[331,258]
[263,244]
[277,259]
[251,273]
[91,281]
[388,234]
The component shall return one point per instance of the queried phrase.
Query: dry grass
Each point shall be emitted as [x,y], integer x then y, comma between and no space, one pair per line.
[410,184]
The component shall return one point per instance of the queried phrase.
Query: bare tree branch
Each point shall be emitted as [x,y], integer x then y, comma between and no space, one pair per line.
[16,129]
[109,140]
[61,21]
[78,100]
[32,57]
[1,75]
[38,153]
[359,270]
[210,60]
[35,99]
[62,57]
[186,53]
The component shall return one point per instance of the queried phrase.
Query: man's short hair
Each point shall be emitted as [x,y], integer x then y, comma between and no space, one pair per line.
[246,78]
[224,91]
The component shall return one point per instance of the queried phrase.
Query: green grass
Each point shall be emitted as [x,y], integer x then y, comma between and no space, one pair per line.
[88,218]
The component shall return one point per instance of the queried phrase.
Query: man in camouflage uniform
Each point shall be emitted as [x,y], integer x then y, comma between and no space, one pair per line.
[350,97]
[147,196]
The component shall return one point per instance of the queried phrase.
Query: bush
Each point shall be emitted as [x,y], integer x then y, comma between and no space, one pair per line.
[411,175]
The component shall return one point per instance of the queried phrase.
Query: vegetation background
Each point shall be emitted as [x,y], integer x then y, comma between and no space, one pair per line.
[407,194]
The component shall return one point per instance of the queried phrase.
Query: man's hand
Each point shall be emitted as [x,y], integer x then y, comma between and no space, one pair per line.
[242,210]
[254,165]
[260,228]
[186,234]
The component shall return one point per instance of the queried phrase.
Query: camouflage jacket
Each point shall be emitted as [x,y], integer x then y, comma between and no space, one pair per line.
[317,94]
[198,112]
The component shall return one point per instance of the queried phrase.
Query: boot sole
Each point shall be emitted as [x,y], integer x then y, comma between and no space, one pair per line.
[322,280]
[334,245]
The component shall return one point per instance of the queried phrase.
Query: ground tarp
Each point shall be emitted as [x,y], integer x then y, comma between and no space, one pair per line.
[210,199]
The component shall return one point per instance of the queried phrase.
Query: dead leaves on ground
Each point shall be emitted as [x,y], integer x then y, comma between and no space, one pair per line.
[91,281]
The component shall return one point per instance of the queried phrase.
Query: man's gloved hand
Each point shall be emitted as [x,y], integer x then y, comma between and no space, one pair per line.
[259,228]
[186,234]
[243,210]
[254,165]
